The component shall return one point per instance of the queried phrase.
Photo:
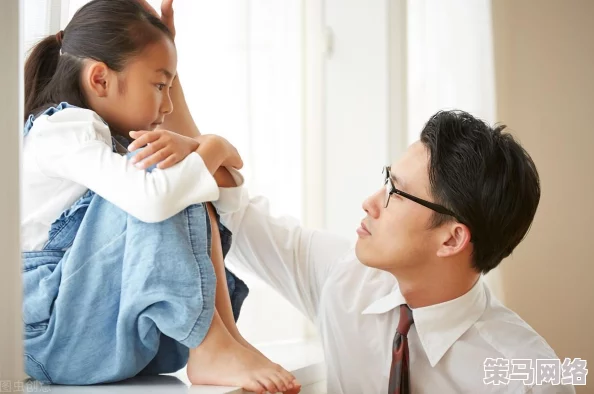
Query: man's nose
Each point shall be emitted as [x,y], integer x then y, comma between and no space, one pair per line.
[373,203]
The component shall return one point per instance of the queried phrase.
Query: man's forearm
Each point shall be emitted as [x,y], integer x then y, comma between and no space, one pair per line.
[180,120]
[224,178]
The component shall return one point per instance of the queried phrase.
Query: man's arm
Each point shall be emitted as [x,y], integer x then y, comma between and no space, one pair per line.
[180,120]
[293,260]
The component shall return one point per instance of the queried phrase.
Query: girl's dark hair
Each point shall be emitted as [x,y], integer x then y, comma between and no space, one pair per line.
[109,31]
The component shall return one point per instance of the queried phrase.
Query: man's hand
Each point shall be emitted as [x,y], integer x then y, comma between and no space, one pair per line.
[166,13]
[162,146]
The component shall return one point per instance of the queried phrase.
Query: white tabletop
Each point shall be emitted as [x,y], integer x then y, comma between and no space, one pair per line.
[303,359]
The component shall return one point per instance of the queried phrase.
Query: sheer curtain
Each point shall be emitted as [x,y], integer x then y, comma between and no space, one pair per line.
[450,60]
[240,63]
[450,65]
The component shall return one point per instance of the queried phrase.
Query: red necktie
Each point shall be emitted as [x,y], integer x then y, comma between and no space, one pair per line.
[399,372]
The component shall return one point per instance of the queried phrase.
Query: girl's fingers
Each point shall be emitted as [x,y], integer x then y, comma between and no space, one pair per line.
[147,152]
[172,160]
[142,138]
[155,158]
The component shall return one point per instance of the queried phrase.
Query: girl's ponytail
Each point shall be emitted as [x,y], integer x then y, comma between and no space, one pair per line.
[108,31]
[40,67]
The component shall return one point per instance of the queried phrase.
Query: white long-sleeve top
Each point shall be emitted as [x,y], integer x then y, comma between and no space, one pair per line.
[70,152]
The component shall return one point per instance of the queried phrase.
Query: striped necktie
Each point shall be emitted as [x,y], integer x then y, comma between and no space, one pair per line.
[399,372]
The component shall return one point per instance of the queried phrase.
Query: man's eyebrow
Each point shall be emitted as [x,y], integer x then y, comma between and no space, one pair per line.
[167,73]
[397,180]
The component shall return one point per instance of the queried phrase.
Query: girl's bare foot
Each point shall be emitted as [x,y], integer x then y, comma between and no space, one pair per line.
[241,340]
[220,360]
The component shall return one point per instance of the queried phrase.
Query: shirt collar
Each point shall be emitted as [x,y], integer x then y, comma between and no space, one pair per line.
[439,326]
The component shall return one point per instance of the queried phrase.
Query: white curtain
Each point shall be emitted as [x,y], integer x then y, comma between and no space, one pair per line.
[450,60]
[240,64]
[450,66]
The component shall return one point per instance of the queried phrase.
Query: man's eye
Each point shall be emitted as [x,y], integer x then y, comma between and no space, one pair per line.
[161,86]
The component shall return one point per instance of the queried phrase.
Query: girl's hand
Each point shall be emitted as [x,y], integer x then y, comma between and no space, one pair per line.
[166,13]
[216,151]
[162,146]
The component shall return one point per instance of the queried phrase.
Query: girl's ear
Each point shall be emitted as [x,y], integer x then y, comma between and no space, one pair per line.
[96,77]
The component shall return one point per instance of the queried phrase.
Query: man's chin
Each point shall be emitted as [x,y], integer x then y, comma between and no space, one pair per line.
[362,253]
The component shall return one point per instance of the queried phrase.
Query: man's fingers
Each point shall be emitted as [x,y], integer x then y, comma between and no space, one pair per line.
[167,8]
[148,7]
[167,15]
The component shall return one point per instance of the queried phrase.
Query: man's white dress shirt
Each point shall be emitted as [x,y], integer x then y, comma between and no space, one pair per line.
[356,309]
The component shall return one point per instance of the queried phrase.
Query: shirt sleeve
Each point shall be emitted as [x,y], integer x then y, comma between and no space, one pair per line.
[75,144]
[230,197]
[292,259]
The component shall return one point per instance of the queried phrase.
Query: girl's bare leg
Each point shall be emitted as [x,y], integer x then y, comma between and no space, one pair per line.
[225,358]
[223,302]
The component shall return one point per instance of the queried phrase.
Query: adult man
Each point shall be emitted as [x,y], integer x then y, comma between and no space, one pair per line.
[457,203]
[410,296]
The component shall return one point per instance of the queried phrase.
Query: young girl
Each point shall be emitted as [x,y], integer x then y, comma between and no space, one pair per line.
[121,259]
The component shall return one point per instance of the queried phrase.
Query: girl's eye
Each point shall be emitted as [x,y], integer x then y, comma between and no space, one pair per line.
[161,86]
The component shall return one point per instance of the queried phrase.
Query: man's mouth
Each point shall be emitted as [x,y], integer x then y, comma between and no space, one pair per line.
[363,230]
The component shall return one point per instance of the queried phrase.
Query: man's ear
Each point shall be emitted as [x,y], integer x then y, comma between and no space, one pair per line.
[455,240]
[97,77]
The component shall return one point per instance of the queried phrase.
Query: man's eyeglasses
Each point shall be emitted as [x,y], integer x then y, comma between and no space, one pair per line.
[391,189]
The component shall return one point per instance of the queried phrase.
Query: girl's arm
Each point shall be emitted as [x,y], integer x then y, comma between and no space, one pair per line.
[75,144]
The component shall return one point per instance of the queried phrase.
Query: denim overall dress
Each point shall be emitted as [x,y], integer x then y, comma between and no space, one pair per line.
[110,297]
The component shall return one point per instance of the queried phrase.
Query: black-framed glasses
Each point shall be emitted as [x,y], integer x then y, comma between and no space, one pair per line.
[391,189]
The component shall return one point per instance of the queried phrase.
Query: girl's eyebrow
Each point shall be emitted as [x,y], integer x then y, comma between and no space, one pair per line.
[167,73]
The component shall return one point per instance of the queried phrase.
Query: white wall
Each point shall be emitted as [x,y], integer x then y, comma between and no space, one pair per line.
[545,90]
[10,126]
